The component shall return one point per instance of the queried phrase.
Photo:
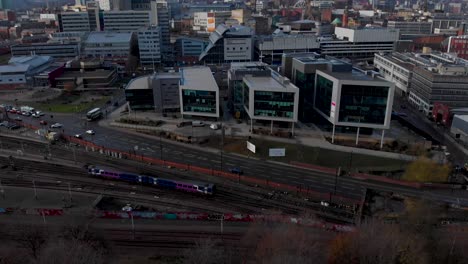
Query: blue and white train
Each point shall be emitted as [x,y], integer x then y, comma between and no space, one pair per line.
[193,187]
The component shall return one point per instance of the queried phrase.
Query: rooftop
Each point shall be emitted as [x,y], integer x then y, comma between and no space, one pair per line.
[198,78]
[254,65]
[139,83]
[354,75]
[275,82]
[86,74]
[108,37]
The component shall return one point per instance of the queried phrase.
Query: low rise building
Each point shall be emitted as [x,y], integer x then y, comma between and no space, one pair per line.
[397,68]
[20,70]
[236,75]
[353,99]
[458,45]
[229,44]
[459,128]
[199,93]
[270,49]
[109,45]
[270,98]
[411,28]
[56,50]
[82,80]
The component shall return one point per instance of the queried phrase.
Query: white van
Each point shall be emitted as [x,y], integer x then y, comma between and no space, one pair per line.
[198,124]
[215,126]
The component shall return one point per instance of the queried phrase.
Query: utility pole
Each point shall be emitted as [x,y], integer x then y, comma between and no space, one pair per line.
[222,146]
[133,224]
[35,191]
[2,190]
[69,192]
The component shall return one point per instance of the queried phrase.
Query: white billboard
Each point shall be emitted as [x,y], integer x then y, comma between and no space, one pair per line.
[251,147]
[277,152]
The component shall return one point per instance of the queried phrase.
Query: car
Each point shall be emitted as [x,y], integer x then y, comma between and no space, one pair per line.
[236,171]
[43,122]
[39,113]
[25,113]
[78,136]
[215,126]
[198,124]
[90,132]
[18,118]
[56,125]
[4,123]
[35,115]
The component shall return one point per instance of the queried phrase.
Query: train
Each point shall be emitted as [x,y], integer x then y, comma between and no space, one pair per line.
[202,188]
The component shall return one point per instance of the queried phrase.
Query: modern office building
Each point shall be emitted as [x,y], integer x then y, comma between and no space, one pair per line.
[68,37]
[190,47]
[270,49]
[158,92]
[411,28]
[229,44]
[301,69]
[128,21]
[270,98]
[236,75]
[149,44]
[81,21]
[110,45]
[81,80]
[199,93]
[55,50]
[446,21]
[360,43]
[353,99]
[20,70]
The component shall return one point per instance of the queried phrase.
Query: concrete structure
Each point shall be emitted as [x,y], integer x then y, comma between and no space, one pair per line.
[128,21]
[190,47]
[81,21]
[354,100]
[397,68]
[273,98]
[459,45]
[199,93]
[158,92]
[361,43]
[441,78]
[87,80]
[234,44]
[208,21]
[236,75]
[270,49]
[411,27]
[447,31]
[56,50]
[68,37]
[20,70]
[446,21]
[149,44]
[109,45]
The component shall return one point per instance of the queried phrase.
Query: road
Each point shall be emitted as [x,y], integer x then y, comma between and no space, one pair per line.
[178,152]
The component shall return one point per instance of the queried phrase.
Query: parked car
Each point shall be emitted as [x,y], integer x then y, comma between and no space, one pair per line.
[78,136]
[215,126]
[39,113]
[35,115]
[56,125]
[236,171]
[43,122]
[198,124]
[17,118]
[90,132]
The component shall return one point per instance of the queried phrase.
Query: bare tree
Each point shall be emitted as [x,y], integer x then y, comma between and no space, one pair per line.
[71,252]
[206,251]
[30,237]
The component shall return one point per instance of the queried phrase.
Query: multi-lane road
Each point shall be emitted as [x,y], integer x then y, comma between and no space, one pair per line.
[150,146]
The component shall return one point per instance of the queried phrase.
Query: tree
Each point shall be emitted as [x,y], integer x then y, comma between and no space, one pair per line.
[378,243]
[70,251]
[206,251]
[29,237]
[426,170]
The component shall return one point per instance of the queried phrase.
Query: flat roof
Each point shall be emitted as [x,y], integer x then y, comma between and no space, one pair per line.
[353,75]
[464,118]
[269,84]
[198,78]
[87,74]
[109,37]
[139,83]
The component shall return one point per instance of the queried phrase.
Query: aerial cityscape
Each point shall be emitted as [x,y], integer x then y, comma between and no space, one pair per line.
[206,131]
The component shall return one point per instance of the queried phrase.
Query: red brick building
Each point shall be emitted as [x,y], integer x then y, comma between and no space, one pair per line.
[459,45]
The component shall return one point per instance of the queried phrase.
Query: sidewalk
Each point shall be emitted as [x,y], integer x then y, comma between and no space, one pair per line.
[312,139]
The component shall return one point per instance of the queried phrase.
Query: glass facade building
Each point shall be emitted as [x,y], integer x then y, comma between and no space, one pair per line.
[274,104]
[198,101]
[140,99]
[363,104]
[324,94]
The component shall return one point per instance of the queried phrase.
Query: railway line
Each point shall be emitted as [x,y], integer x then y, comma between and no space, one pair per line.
[231,196]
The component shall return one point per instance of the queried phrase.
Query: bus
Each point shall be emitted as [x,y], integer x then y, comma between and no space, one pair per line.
[94,114]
